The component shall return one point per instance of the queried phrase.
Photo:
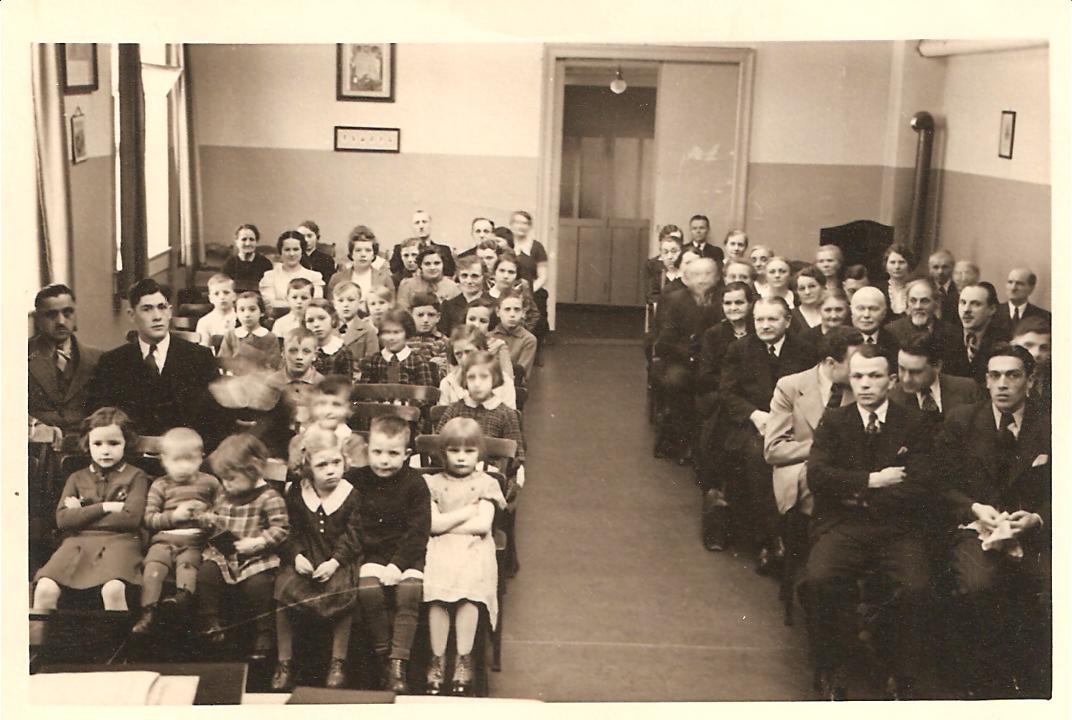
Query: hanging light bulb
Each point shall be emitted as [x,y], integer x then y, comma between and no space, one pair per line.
[618,84]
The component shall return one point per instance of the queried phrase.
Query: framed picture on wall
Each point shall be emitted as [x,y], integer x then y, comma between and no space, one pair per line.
[78,68]
[78,137]
[1008,134]
[365,72]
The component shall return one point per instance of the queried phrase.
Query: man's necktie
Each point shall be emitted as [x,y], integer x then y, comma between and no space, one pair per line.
[870,340]
[929,404]
[1015,316]
[342,330]
[394,371]
[150,360]
[872,424]
[1006,444]
[837,391]
[772,352]
[972,343]
[62,358]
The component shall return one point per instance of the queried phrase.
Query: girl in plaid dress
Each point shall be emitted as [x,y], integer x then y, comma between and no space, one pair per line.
[248,523]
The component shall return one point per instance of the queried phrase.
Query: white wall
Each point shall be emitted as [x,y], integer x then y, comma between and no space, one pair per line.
[449,99]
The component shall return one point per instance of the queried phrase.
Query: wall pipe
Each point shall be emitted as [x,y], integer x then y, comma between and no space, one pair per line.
[923,124]
[943,48]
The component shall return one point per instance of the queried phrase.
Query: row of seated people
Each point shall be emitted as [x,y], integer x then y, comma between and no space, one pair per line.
[510,260]
[281,413]
[744,383]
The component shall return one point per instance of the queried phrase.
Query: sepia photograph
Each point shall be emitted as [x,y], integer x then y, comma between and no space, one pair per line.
[648,370]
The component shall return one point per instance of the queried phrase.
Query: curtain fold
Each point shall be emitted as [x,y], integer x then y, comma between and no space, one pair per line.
[133,242]
[52,166]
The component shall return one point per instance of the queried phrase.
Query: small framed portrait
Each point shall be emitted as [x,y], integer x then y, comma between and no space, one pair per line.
[365,72]
[1007,134]
[78,138]
[78,68]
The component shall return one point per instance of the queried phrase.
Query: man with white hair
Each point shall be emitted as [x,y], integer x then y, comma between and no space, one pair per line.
[868,310]
[1018,286]
[940,270]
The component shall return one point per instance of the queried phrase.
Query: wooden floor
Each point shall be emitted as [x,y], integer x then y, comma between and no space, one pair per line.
[617,599]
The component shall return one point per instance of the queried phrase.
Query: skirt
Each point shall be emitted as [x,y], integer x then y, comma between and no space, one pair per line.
[462,567]
[324,600]
[92,558]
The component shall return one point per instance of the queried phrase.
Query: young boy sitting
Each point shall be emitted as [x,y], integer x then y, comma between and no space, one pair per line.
[174,504]
[298,377]
[396,363]
[328,408]
[395,525]
[377,303]
[359,336]
[521,342]
[222,319]
[428,341]
[299,295]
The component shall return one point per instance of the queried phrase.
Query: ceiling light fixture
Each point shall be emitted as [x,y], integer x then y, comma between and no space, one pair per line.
[618,85]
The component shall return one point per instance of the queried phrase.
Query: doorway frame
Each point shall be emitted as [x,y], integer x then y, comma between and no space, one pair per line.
[553,100]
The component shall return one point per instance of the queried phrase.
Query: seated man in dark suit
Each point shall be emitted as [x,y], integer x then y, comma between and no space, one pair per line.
[422,230]
[60,367]
[699,228]
[921,319]
[684,317]
[869,471]
[1034,335]
[940,270]
[159,380]
[994,464]
[923,384]
[1019,286]
[751,367]
[868,307]
[977,305]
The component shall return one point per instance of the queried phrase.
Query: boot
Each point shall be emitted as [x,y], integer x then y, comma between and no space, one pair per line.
[283,678]
[145,622]
[714,517]
[336,673]
[435,680]
[463,676]
[262,646]
[212,630]
[181,601]
[396,676]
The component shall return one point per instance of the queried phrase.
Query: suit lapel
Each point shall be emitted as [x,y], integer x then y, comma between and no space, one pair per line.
[811,399]
[82,372]
[1028,446]
[986,440]
[43,368]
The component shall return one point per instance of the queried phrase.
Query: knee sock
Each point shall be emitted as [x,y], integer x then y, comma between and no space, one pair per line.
[152,583]
[373,607]
[408,595]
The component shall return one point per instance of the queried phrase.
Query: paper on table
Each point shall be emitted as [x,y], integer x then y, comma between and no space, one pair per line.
[112,688]
[173,690]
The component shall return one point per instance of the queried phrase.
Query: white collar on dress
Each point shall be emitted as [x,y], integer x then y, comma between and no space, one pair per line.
[401,354]
[333,345]
[491,403]
[331,503]
[242,332]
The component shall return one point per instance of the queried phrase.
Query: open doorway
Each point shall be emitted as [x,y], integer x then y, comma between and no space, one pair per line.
[615,167]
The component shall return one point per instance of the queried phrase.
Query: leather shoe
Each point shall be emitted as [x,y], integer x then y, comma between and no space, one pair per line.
[765,562]
[830,686]
[182,600]
[283,677]
[899,688]
[145,622]
[262,645]
[336,673]
[462,683]
[435,679]
[213,631]
[396,676]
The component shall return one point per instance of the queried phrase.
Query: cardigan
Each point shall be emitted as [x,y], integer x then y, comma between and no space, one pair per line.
[396,516]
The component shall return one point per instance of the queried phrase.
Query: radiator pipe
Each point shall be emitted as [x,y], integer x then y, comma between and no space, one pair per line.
[923,124]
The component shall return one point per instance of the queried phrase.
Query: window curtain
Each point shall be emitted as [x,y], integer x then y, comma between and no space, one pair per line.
[179,114]
[52,166]
[132,243]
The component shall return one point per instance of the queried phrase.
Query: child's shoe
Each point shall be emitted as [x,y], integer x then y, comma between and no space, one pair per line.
[213,630]
[181,601]
[396,676]
[145,622]
[283,678]
[435,679]
[262,646]
[336,673]
[463,676]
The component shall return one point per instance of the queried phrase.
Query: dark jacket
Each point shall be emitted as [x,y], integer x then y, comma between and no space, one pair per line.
[956,392]
[444,252]
[946,334]
[958,363]
[48,401]
[967,454]
[319,262]
[843,456]
[682,324]
[177,397]
[1003,321]
[396,516]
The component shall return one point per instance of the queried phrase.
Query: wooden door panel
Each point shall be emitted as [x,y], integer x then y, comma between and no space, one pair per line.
[593,266]
[567,262]
[625,257]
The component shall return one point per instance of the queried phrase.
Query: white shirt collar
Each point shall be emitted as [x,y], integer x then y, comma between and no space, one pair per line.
[242,332]
[401,354]
[161,350]
[936,393]
[1013,306]
[333,345]
[491,403]
[777,346]
[865,415]
[331,503]
[1017,418]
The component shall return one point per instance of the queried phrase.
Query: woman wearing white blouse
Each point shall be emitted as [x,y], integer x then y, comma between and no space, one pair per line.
[273,286]
[777,285]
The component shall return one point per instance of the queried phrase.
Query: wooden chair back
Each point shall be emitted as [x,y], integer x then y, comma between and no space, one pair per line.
[386,392]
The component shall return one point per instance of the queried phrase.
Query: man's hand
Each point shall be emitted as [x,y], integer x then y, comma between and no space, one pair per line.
[759,418]
[326,569]
[886,477]
[986,514]
[302,565]
[71,502]
[1021,521]
[113,506]
[249,546]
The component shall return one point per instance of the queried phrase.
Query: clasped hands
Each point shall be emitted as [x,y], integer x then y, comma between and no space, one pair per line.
[324,571]
[111,506]
[1019,521]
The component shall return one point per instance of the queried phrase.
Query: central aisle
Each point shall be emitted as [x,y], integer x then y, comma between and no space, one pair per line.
[616,599]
